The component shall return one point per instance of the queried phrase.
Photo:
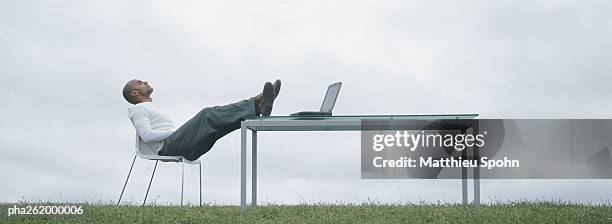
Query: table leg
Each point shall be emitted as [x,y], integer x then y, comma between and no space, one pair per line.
[254,167]
[476,187]
[464,180]
[464,187]
[476,153]
[243,167]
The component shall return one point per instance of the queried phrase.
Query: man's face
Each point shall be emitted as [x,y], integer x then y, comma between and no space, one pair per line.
[142,87]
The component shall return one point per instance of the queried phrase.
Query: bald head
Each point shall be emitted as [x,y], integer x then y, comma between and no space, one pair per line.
[136,91]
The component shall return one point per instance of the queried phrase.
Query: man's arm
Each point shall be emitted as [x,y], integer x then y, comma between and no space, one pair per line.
[142,123]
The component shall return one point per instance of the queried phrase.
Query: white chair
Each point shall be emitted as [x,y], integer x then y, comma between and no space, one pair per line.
[150,155]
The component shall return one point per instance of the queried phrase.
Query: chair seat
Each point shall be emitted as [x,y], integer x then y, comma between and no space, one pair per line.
[176,159]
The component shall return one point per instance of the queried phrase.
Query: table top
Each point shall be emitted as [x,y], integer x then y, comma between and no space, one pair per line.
[335,123]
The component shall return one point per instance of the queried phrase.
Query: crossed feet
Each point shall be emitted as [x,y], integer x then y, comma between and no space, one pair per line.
[265,100]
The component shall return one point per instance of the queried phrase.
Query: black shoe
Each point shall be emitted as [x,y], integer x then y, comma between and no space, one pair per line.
[268,99]
[277,87]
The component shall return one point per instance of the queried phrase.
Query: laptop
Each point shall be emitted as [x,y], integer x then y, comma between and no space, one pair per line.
[328,103]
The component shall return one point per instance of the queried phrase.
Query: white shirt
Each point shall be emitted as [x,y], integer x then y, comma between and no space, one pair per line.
[151,126]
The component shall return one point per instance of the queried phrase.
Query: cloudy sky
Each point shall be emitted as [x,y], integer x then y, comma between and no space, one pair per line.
[64,134]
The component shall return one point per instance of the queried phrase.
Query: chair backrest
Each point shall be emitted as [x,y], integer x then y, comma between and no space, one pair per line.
[142,150]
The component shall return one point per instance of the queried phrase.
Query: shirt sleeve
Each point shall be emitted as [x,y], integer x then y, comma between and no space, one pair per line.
[142,124]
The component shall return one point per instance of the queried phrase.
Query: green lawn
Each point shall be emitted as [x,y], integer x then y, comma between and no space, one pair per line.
[508,213]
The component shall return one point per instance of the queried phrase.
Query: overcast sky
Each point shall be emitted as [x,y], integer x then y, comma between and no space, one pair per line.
[65,136]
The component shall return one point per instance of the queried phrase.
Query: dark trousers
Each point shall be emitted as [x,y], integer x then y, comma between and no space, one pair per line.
[198,135]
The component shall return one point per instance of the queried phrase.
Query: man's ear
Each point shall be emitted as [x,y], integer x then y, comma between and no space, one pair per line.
[134,93]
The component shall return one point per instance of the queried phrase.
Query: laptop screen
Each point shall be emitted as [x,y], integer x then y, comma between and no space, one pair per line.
[330,97]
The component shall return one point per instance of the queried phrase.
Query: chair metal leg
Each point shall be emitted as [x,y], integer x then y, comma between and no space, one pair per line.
[150,181]
[126,179]
[182,180]
[200,182]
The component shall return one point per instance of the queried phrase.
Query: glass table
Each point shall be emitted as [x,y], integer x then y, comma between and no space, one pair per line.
[330,123]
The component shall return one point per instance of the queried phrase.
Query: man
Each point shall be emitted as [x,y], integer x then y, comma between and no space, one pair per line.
[199,134]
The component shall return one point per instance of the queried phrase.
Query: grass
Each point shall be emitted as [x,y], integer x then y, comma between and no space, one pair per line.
[523,212]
